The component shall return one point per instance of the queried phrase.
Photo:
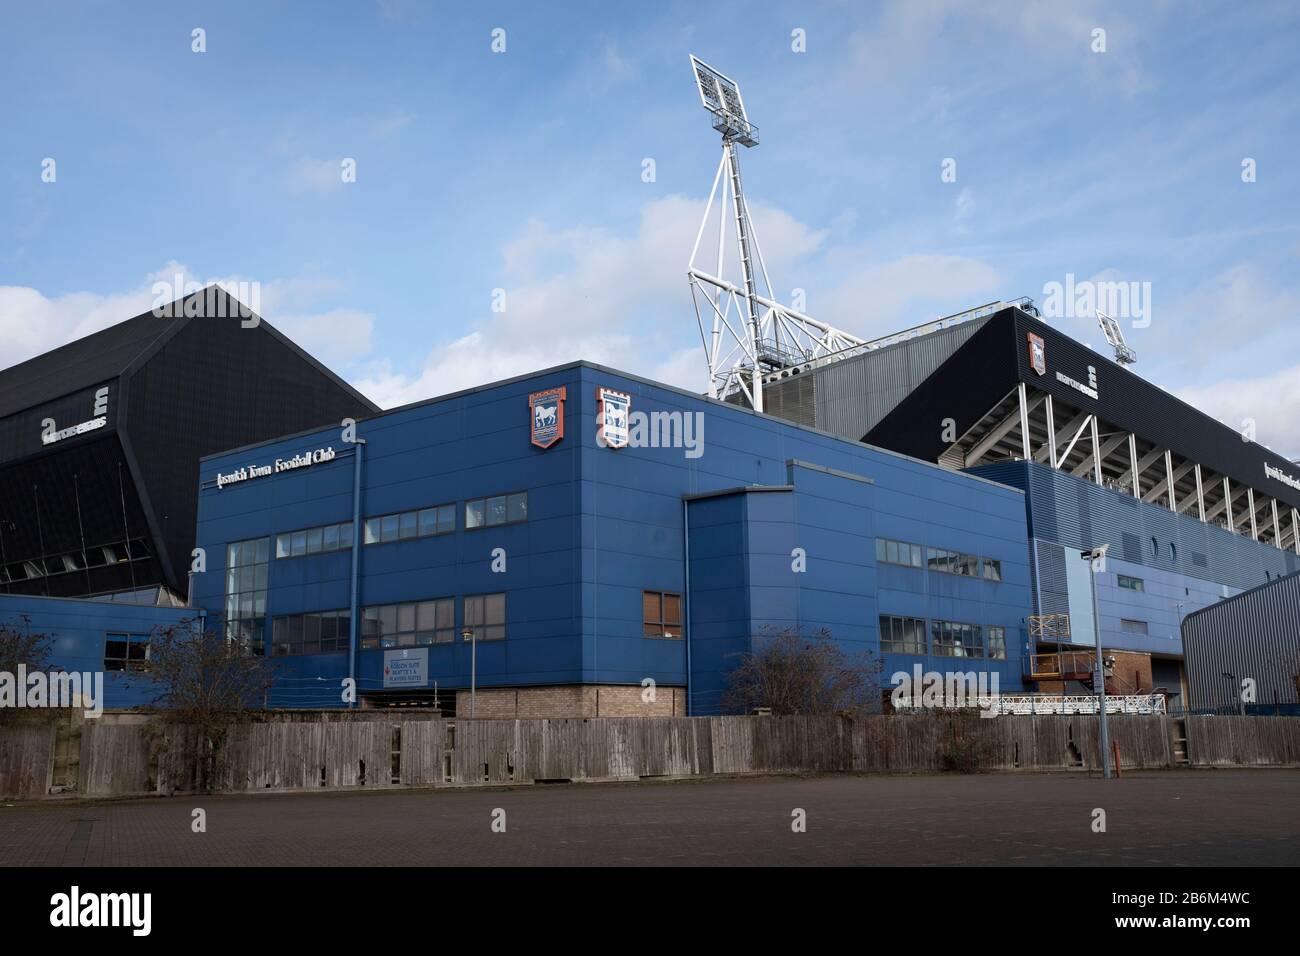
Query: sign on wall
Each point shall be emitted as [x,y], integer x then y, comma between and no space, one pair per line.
[50,431]
[547,410]
[408,667]
[1037,354]
[612,412]
[305,459]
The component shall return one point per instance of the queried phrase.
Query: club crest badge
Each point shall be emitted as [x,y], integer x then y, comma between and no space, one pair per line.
[1037,354]
[612,412]
[547,411]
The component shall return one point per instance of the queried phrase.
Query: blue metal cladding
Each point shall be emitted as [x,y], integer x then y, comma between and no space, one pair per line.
[78,630]
[1183,563]
[606,524]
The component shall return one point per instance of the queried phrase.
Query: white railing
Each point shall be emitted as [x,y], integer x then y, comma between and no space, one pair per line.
[1047,704]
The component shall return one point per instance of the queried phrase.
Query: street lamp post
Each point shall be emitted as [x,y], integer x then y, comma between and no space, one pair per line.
[1097,561]
[1236,693]
[470,635]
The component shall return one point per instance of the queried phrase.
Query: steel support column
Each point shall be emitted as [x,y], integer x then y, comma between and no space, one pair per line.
[1096,452]
[1023,397]
[1169,480]
[1051,432]
[1133,464]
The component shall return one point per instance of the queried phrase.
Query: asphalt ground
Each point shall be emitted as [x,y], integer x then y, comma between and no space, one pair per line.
[1178,818]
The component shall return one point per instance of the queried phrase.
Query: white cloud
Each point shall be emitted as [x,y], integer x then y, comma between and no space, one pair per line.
[878,298]
[315,175]
[624,301]
[32,323]
[1271,401]
[907,37]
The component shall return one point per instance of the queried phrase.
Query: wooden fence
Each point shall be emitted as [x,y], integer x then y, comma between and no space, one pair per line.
[380,750]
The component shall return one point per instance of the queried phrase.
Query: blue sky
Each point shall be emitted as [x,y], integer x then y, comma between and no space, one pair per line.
[522,171]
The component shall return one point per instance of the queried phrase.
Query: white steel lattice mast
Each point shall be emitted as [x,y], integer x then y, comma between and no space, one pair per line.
[749,335]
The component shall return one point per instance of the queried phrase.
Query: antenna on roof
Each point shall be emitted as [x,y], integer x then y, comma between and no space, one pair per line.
[750,334]
[1110,328]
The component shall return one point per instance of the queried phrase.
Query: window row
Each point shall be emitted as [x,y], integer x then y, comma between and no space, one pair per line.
[97,556]
[899,552]
[419,523]
[907,635]
[498,510]
[422,523]
[410,624]
[417,623]
[1131,583]
[316,632]
[939,559]
[330,537]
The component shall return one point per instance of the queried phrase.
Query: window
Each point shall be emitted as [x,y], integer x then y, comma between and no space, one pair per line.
[992,569]
[316,632]
[1131,584]
[413,624]
[330,537]
[898,552]
[957,640]
[96,556]
[498,510]
[440,520]
[126,652]
[997,642]
[902,635]
[954,562]
[423,523]
[485,615]
[661,614]
[1133,627]
[246,570]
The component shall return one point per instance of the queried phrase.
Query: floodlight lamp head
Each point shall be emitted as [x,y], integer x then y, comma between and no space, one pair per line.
[1124,355]
[720,95]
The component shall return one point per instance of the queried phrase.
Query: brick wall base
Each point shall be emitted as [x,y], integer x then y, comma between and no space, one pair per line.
[588,700]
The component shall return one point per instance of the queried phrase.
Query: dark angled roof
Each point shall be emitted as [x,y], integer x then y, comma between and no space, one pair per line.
[99,357]
[105,355]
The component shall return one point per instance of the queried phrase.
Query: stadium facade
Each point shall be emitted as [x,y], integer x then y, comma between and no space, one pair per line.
[100,442]
[582,542]
[1193,513]
[586,563]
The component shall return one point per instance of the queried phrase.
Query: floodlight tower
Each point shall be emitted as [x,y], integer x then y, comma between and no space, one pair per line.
[1115,336]
[750,334]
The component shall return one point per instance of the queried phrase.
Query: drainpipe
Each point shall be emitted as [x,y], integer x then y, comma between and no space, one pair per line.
[686,596]
[354,626]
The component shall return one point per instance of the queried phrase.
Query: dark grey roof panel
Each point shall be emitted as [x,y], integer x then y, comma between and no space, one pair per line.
[92,360]
[853,394]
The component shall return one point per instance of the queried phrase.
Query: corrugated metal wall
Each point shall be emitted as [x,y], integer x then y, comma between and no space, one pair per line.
[1079,514]
[1253,635]
[852,395]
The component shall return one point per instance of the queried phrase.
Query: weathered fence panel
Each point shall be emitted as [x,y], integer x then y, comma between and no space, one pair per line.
[115,759]
[26,759]
[380,751]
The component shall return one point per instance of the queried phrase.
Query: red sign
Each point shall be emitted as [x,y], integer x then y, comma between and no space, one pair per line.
[1037,354]
[547,409]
